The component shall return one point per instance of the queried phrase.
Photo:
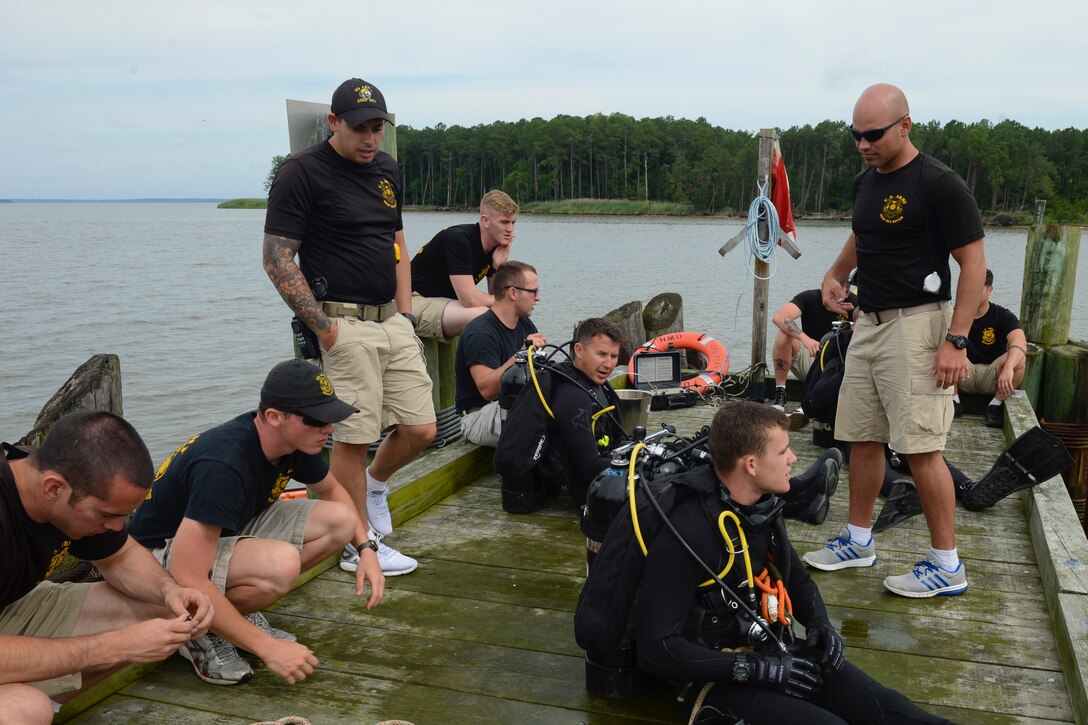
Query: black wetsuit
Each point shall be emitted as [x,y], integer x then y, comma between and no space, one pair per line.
[576,436]
[680,634]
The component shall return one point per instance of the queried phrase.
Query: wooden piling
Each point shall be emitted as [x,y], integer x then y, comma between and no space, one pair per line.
[629,318]
[1050,274]
[95,385]
[761,290]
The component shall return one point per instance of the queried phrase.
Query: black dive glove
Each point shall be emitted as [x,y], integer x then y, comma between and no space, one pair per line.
[792,675]
[824,645]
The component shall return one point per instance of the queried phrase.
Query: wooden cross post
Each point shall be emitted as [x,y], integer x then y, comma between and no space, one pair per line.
[761,284]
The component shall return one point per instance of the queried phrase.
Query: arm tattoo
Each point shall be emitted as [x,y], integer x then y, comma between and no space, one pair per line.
[792,329]
[280,266]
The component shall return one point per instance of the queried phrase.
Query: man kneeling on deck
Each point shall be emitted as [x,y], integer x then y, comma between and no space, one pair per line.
[692,629]
[71,496]
[213,519]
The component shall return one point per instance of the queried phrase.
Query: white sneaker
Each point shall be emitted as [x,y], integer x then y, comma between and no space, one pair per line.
[391,561]
[377,510]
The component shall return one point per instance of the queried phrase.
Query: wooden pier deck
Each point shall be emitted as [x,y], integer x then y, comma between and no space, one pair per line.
[482,631]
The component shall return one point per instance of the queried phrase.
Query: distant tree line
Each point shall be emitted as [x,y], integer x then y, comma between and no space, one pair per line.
[1007,165]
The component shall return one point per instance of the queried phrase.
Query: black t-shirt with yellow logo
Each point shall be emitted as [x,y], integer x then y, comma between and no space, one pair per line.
[345,215]
[990,334]
[455,250]
[221,478]
[32,551]
[907,222]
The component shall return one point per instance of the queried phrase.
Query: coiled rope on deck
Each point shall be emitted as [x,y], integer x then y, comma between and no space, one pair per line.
[763,249]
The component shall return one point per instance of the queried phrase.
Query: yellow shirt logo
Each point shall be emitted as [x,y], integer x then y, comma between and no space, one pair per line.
[388,197]
[281,483]
[892,213]
[988,336]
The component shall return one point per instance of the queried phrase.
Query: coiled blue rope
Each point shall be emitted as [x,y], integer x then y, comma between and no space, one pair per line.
[761,248]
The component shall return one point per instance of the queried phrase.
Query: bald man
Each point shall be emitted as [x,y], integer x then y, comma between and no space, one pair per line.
[909,346]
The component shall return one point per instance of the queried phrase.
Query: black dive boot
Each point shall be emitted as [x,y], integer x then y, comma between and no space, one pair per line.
[1029,460]
[902,503]
[814,489]
[902,498]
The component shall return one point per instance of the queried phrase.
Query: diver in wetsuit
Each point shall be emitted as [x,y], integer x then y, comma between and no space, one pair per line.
[690,630]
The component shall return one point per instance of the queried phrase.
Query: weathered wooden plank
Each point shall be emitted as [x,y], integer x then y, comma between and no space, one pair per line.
[430,478]
[330,696]
[122,710]
[952,683]
[489,584]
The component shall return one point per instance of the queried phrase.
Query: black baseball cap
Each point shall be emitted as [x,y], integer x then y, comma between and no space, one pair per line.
[296,386]
[357,102]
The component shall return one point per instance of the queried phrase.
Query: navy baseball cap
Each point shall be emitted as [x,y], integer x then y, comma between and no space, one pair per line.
[357,102]
[296,386]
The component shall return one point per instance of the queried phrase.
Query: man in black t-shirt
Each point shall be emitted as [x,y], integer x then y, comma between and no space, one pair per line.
[997,349]
[337,205]
[214,507]
[71,495]
[446,270]
[796,345]
[908,349]
[487,348]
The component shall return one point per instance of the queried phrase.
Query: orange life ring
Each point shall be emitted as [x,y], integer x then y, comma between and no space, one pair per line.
[717,358]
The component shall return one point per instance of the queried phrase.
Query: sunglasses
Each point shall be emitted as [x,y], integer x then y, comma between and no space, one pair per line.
[533,291]
[875,134]
[312,422]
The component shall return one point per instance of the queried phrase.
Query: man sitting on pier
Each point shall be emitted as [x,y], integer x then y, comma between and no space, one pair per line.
[71,495]
[487,349]
[997,350]
[446,270]
[214,519]
[795,346]
[691,629]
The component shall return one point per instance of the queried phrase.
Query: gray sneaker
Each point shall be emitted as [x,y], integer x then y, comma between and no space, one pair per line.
[263,624]
[928,580]
[216,661]
[842,553]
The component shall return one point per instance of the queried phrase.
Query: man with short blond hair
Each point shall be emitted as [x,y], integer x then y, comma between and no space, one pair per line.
[446,270]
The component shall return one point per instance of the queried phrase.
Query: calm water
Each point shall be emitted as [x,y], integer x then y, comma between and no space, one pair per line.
[178,292]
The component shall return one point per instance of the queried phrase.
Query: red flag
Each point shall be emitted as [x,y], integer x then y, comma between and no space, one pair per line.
[780,192]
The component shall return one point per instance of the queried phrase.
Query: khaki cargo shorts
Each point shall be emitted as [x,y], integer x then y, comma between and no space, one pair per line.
[49,610]
[428,312]
[379,368]
[888,391]
[983,378]
[802,361]
[283,521]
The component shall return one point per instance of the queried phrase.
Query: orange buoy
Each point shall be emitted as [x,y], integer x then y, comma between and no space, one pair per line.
[717,358]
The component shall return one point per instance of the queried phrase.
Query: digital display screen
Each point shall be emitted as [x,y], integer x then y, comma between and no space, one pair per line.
[658,369]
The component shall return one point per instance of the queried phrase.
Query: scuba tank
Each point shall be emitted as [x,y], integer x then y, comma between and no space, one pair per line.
[523,491]
[607,494]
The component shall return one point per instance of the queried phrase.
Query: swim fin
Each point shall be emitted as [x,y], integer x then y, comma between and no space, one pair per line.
[810,493]
[1029,460]
[902,503]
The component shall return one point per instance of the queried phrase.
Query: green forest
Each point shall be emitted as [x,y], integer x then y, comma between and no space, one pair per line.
[707,169]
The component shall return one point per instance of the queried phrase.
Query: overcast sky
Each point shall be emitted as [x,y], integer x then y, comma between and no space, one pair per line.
[122,99]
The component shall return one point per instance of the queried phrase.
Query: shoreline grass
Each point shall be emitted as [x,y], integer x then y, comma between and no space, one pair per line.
[244,204]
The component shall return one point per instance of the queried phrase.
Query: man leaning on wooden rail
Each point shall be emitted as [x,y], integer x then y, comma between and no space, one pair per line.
[72,495]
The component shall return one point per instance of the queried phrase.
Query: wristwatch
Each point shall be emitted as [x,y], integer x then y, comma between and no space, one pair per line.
[368,544]
[958,340]
[742,671]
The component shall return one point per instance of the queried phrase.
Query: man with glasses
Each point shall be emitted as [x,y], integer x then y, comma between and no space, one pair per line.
[487,349]
[337,205]
[213,518]
[908,350]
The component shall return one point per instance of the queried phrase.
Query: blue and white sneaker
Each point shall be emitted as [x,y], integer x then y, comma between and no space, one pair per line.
[842,553]
[928,580]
